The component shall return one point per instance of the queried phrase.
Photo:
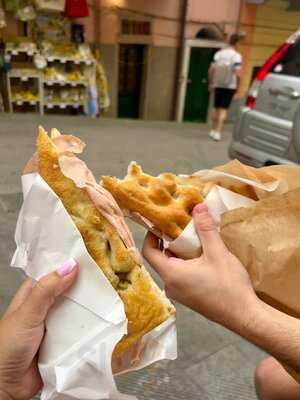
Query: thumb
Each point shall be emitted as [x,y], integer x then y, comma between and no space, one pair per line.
[206,229]
[35,308]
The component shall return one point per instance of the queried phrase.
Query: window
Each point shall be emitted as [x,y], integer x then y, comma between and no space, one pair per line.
[289,64]
[293,5]
[133,27]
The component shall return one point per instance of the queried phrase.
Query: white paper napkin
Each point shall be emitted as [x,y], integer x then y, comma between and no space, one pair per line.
[84,326]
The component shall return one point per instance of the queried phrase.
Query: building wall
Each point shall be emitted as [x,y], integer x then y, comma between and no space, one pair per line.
[102,29]
[165,17]
[266,26]
[12,28]
[109,57]
[161,83]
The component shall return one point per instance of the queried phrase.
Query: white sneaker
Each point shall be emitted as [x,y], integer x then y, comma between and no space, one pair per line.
[215,135]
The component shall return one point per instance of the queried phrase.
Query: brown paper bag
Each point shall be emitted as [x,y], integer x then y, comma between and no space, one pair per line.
[266,239]
[287,176]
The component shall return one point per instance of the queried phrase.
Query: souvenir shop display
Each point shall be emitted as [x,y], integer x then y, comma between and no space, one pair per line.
[51,68]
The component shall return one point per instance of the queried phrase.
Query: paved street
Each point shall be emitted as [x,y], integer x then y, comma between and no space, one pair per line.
[213,363]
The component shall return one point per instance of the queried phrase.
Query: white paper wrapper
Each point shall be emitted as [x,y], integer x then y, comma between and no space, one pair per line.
[218,200]
[207,175]
[84,326]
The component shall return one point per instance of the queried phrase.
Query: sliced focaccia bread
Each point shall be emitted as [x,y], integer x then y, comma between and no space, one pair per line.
[166,201]
[105,234]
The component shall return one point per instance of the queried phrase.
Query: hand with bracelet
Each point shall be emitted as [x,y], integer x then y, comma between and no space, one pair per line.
[22,329]
[217,286]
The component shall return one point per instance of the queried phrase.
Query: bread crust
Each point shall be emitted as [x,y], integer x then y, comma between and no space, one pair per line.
[166,201]
[145,305]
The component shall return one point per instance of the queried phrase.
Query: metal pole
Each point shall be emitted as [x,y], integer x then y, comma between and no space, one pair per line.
[179,62]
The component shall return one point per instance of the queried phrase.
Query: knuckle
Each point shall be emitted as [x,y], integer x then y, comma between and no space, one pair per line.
[205,223]
[169,293]
[145,252]
[171,281]
[46,291]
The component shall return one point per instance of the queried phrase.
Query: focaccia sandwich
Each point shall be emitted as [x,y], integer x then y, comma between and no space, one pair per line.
[105,233]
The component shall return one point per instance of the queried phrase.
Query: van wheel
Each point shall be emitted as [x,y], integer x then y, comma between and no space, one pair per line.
[269,162]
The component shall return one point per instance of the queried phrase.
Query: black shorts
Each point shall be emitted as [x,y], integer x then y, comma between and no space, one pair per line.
[223,97]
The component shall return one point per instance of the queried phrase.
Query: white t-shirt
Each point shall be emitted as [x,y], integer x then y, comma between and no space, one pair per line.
[232,56]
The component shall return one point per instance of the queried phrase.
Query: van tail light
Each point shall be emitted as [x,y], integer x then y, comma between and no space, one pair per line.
[263,72]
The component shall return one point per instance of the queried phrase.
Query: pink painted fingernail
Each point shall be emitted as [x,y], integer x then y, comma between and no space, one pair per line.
[66,267]
[200,208]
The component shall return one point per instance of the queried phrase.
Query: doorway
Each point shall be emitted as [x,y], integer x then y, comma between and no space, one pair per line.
[131,62]
[197,56]
[197,95]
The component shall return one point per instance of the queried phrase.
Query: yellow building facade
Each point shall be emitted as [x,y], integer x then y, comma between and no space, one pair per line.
[266,27]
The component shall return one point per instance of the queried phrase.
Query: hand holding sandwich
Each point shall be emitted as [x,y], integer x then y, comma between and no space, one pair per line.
[217,286]
[22,329]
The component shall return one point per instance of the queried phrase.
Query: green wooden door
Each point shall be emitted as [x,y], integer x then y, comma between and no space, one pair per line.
[197,95]
[131,58]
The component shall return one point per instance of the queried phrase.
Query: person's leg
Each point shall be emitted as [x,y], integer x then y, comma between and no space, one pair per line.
[221,117]
[213,134]
[214,118]
[272,382]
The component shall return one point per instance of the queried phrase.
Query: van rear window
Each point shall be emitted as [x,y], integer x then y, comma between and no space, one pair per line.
[289,64]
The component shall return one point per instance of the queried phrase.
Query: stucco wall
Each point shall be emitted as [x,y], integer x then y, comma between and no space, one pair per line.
[161,83]
[165,16]
[109,57]
[214,11]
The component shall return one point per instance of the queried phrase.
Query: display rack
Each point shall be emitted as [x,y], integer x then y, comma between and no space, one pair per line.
[24,81]
[63,84]
[66,77]
[31,97]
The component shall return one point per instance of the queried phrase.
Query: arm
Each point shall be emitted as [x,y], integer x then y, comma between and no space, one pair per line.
[238,71]
[211,72]
[210,76]
[275,332]
[217,286]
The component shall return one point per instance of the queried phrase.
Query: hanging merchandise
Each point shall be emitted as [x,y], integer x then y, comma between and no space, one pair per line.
[2,17]
[50,5]
[92,101]
[76,8]
[7,62]
[12,5]
[39,61]
[50,26]
[26,13]
[77,33]
[102,84]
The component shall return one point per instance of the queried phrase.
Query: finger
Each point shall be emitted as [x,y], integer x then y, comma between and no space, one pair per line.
[210,238]
[21,295]
[43,295]
[160,262]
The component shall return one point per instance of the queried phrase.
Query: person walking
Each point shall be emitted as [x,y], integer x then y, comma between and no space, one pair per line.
[224,78]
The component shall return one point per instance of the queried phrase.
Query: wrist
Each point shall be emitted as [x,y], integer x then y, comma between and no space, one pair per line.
[244,321]
[4,395]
